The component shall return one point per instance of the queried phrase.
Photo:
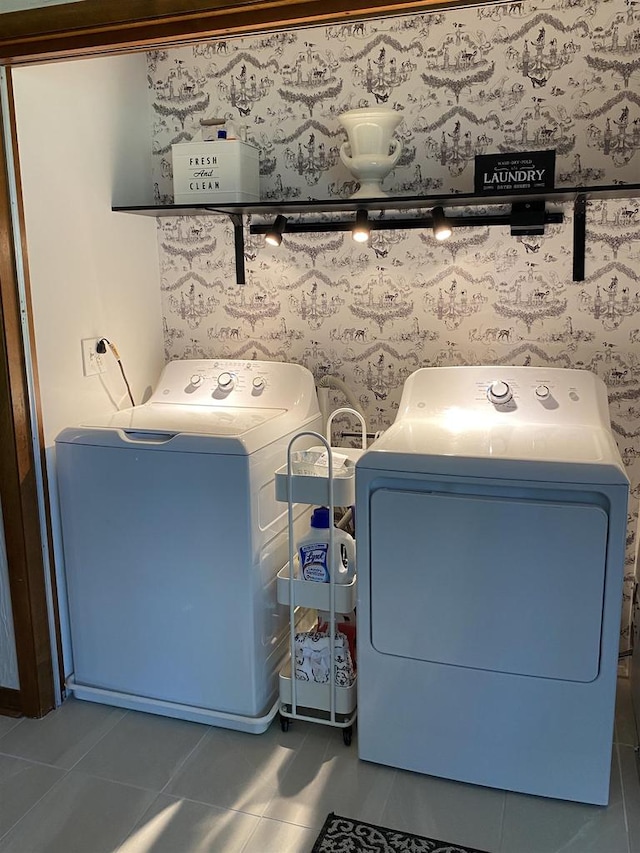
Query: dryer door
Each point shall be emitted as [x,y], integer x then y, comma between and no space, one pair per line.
[513,586]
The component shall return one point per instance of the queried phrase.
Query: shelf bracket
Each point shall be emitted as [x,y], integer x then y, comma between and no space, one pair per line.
[579,235]
[238,242]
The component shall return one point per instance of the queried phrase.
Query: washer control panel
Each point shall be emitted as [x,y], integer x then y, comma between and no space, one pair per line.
[208,382]
[220,378]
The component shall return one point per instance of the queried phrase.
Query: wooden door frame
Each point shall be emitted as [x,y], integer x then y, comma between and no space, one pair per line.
[72,30]
[19,482]
[93,27]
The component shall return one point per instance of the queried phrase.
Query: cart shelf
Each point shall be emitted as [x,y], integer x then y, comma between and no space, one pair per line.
[315,595]
[314,488]
[311,695]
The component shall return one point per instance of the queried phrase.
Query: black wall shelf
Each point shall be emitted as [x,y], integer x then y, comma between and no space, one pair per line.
[578,196]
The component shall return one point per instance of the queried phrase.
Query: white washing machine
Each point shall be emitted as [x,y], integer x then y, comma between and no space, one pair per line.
[172,539]
[491,536]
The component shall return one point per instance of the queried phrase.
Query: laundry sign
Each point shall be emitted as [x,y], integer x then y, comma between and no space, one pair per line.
[500,174]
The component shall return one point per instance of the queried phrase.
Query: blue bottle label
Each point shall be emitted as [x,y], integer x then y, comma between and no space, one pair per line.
[314,562]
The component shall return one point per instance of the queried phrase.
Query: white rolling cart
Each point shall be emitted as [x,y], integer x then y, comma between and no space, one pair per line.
[302,481]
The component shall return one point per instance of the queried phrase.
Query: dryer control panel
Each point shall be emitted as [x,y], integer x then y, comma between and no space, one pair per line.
[510,393]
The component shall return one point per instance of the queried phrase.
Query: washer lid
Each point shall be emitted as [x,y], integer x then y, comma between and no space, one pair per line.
[173,418]
[187,429]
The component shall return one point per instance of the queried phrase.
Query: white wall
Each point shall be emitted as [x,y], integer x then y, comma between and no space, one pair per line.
[8,660]
[84,143]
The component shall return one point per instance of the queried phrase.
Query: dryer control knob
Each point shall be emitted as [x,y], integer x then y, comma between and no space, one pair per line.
[499,392]
[543,392]
[225,381]
[196,380]
[259,383]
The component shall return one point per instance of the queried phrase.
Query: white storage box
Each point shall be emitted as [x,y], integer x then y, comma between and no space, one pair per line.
[219,172]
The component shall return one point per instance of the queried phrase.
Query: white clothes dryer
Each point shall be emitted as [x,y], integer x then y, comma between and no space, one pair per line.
[491,538]
[172,540]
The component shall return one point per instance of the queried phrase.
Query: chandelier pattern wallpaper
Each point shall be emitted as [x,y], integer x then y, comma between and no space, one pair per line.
[560,75]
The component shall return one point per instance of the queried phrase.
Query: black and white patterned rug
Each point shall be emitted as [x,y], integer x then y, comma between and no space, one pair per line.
[343,835]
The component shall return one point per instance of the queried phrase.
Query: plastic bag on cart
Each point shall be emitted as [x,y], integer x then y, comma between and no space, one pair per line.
[345,624]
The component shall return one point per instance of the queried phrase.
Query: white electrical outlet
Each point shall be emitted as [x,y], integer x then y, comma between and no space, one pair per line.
[93,362]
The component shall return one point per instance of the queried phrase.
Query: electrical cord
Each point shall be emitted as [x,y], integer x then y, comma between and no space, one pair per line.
[101,347]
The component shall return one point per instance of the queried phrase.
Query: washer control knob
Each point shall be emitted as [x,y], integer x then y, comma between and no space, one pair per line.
[196,380]
[543,392]
[499,392]
[225,381]
[258,383]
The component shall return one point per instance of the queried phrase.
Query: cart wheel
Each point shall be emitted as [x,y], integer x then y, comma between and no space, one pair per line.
[284,723]
[346,735]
